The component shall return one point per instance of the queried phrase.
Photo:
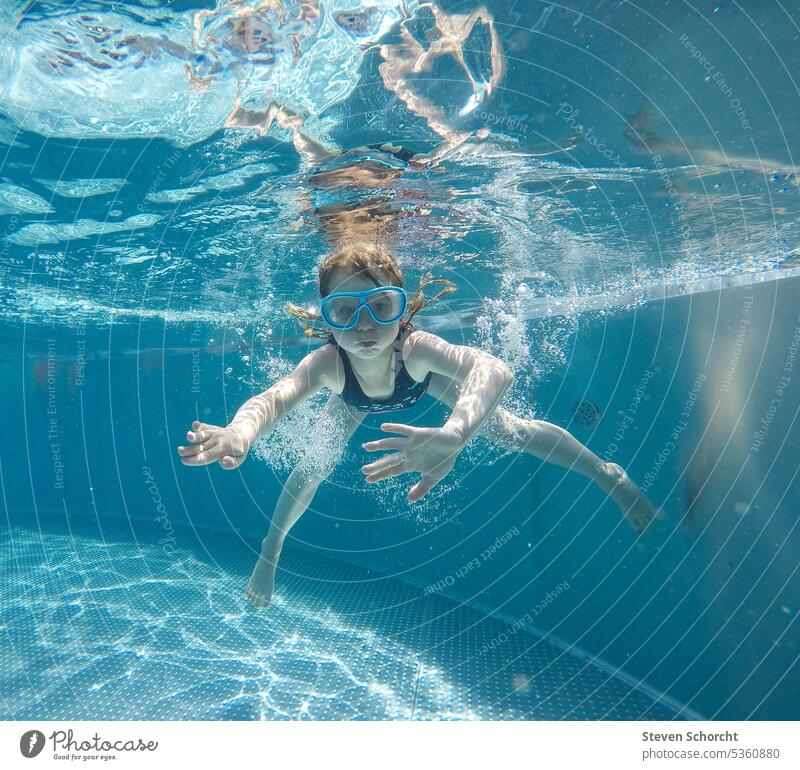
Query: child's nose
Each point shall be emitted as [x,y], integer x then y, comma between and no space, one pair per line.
[364,320]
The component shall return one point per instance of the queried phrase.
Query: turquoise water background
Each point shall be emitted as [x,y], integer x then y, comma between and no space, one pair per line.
[621,220]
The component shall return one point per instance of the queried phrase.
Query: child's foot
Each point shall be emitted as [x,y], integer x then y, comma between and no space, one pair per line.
[261,585]
[632,501]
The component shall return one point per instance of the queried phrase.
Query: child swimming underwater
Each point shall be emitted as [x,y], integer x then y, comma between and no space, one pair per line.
[375,361]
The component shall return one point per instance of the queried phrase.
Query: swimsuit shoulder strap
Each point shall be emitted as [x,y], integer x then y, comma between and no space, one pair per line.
[400,367]
[398,353]
[348,369]
[403,336]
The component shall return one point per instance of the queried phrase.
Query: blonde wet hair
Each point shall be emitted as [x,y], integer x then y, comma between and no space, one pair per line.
[365,257]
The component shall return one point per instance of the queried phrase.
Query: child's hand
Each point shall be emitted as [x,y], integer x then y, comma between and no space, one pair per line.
[429,451]
[212,443]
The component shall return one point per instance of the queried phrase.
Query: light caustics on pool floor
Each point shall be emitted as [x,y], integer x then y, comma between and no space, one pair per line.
[100,629]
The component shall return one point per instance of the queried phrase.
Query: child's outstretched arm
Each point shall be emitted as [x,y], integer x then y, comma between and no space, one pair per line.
[229,445]
[433,451]
[483,378]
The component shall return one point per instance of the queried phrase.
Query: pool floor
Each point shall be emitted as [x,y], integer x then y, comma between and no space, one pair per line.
[98,625]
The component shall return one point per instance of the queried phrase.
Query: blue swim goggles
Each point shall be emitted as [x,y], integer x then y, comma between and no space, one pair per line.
[386,304]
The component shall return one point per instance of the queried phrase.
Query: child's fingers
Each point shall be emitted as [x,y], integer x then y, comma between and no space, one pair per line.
[202,429]
[387,473]
[229,462]
[388,461]
[421,488]
[201,458]
[190,451]
[398,427]
[385,443]
[206,438]
[386,467]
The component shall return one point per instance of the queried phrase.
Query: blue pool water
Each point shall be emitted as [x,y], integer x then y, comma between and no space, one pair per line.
[613,190]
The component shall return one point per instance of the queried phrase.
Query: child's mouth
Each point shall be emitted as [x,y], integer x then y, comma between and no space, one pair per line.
[367,344]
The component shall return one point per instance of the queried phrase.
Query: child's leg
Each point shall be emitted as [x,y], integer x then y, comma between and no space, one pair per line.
[336,426]
[553,444]
[295,497]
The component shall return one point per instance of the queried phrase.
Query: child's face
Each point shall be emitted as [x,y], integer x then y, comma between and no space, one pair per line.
[365,329]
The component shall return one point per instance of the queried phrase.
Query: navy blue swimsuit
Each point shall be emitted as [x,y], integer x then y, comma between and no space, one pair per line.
[407,391]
